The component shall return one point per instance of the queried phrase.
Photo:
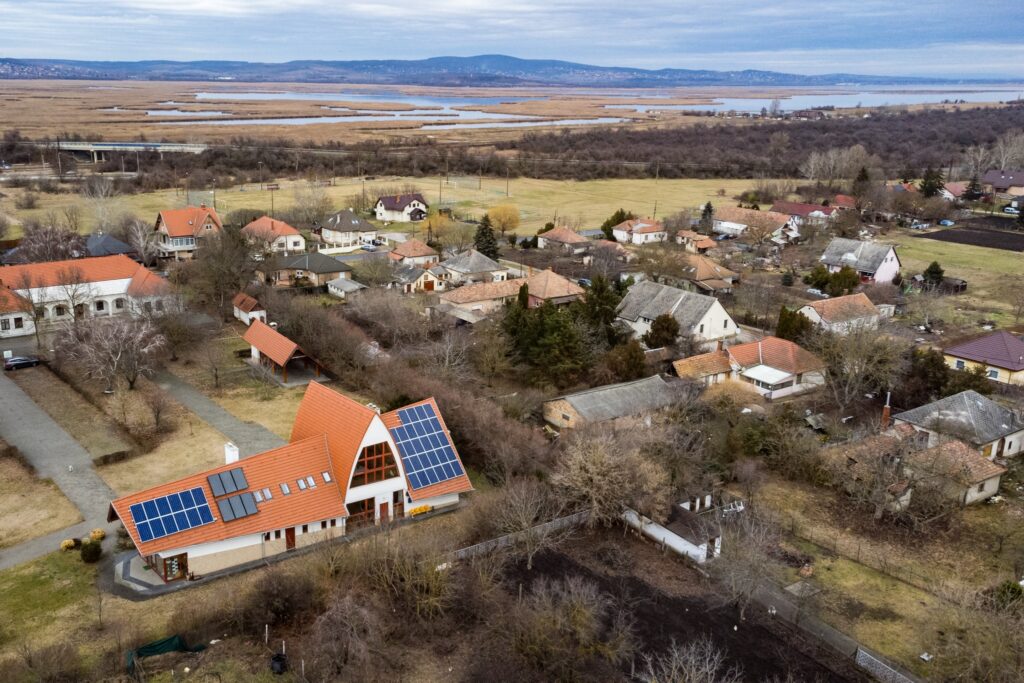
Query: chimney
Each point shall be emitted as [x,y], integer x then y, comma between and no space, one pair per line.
[886,411]
[202,205]
[230,453]
[720,346]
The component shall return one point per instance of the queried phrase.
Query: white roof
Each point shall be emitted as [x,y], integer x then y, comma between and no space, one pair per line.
[766,374]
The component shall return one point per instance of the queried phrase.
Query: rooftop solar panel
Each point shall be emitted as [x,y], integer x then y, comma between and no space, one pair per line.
[237,507]
[426,451]
[225,483]
[170,514]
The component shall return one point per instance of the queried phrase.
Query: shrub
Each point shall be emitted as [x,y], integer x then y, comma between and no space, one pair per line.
[1008,594]
[91,551]
[277,597]
[97,534]
[67,544]
[787,279]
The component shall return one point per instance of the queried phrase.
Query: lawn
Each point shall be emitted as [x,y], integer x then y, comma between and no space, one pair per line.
[29,506]
[44,596]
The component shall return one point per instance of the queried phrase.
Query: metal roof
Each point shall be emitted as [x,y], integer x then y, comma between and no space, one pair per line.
[650,299]
[967,415]
[620,400]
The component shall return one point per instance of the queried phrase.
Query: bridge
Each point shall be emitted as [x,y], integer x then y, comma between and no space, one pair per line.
[98,149]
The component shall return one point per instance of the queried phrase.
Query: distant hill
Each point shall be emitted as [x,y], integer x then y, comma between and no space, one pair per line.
[481,70]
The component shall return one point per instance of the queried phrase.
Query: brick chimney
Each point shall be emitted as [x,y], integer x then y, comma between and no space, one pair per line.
[886,412]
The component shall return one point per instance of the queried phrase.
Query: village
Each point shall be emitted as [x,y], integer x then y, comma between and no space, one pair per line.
[760,394]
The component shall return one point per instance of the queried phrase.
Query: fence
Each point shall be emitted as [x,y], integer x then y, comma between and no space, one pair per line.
[574,519]
[881,669]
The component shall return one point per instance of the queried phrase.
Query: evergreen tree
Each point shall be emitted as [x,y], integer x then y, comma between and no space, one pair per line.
[556,352]
[626,361]
[707,218]
[842,282]
[598,307]
[620,216]
[664,332]
[485,242]
[932,182]
[861,184]
[819,277]
[933,274]
[793,325]
[973,190]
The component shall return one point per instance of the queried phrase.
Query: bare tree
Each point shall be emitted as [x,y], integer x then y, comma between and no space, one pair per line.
[699,661]
[144,240]
[459,237]
[504,217]
[31,295]
[312,203]
[72,218]
[159,405]
[743,565]
[856,363]
[346,636]
[373,272]
[221,268]
[76,290]
[49,243]
[448,356]
[528,504]
[976,160]
[109,348]
[1008,150]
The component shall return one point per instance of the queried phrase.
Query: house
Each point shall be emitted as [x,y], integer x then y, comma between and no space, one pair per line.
[691,530]
[734,221]
[345,467]
[776,367]
[701,274]
[182,230]
[801,214]
[639,231]
[343,288]
[991,429]
[1001,354]
[565,239]
[844,201]
[410,279]
[415,252]
[273,350]
[694,242]
[873,261]
[610,251]
[698,315]
[965,475]
[953,192]
[641,397]
[247,309]
[55,291]
[346,229]
[274,236]
[472,266]
[474,302]
[401,208]
[1004,182]
[842,313]
[549,286]
[302,270]
[101,244]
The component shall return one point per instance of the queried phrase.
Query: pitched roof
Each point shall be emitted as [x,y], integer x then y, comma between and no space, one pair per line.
[266,227]
[1003,178]
[346,285]
[246,303]
[270,343]
[640,226]
[741,216]
[100,244]
[648,299]
[865,257]
[12,302]
[967,415]
[957,189]
[301,458]
[958,461]
[844,308]
[407,273]
[564,235]
[703,365]
[621,400]
[347,221]
[699,268]
[398,202]
[147,283]
[313,261]
[1000,349]
[699,241]
[53,273]
[844,201]
[413,248]
[483,291]
[472,261]
[773,352]
[187,222]
[801,209]
[548,284]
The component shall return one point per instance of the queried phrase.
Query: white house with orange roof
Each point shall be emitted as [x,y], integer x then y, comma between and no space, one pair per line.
[347,466]
[415,252]
[639,231]
[274,236]
[181,230]
[54,291]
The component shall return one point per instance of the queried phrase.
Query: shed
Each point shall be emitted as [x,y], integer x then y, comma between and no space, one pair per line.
[272,349]
[639,397]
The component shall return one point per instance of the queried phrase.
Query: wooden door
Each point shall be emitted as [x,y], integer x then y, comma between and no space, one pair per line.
[428,285]
[384,516]
[289,538]
[175,567]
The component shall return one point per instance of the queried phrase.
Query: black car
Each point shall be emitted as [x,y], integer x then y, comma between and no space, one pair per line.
[18,362]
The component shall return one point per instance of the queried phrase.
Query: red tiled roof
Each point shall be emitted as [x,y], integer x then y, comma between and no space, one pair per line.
[548,284]
[703,365]
[413,248]
[844,308]
[564,235]
[800,209]
[1000,349]
[958,461]
[780,354]
[483,291]
[187,222]
[270,343]
[266,227]
[844,201]
[246,303]
[11,301]
[740,216]
[147,283]
[640,226]
[53,273]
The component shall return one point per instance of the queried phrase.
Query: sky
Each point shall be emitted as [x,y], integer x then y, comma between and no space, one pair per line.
[983,38]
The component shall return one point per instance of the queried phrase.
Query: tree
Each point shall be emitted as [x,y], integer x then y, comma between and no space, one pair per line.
[221,268]
[505,218]
[699,661]
[144,240]
[526,506]
[760,229]
[49,243]
[932,182]
[744,565]
[857,363]
[485,241]
[793,325]
[861,185]
[108,348]
[599,307]
[312,204]
[373,272]
[973,190]
[457,237]
[664,332]
[626,362]
[933,274]
[707,218]
[844,281]
[620,216]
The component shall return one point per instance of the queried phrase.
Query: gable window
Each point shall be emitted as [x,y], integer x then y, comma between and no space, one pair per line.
[960,365]
[725,324]
[702,328]
[376,463]
[993,373]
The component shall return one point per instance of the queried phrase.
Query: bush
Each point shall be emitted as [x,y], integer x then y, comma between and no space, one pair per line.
[97,534]
[277,597]
[91,551]
[787,279]
[67,544]
[1008,594]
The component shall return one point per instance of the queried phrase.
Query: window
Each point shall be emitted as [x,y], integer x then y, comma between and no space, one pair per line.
[159,305]
[334,523]
[302,484]
[326,476]
[305,528]
[266,536]
[284,489]
[960,365]
[19,323]
[725,324]
[360,512]
[101,305]
[702,328]
[566,417]
[148,306]
[323,525]
[376,463]
[119,304]
[266,494]
[981,487]
[5,324]
[992,372]
[60,311]
[40,312]
[277,535]
[258,496]
[311,482]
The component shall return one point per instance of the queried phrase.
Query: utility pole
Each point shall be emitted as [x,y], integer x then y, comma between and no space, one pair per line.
[506,181]
[655,209]
[271,202]
[122,164]
[440,183]
[260,164]
[60,169]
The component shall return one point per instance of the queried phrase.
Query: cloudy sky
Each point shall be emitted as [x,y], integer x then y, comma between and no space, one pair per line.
[934,37]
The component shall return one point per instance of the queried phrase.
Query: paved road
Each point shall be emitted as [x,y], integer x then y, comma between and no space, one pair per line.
[54,455]
[250,437]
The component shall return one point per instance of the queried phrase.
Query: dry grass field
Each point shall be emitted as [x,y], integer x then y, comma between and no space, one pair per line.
[30,507]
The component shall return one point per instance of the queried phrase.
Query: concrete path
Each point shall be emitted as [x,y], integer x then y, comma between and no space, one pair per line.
[56,456]
[250,437]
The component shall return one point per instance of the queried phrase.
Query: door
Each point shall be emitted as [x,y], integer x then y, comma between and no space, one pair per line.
[384,516]
[428,286]
[175,567]
[289,538]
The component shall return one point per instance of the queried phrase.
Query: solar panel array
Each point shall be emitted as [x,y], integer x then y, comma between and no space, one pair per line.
[237,507]
[224,483]
[428,456]
[170,514]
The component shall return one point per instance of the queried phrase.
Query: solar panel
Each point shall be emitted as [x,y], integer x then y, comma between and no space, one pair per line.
[224,483]
[237,507]
[170,514]
[426,451]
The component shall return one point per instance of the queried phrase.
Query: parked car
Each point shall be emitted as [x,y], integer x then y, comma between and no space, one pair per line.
[946,223]
[584,282]
[369,247]
[1011,210]
[817,292]
[920,225]
[18,362]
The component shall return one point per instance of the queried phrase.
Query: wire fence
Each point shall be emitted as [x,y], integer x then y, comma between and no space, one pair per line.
[493,544]
[881,670]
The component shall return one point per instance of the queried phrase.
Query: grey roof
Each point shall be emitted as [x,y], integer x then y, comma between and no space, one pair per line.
[471,261]
[347,221]
[619,400]
[967,415]
[864,257]
[346,285]
[314,262]
[407,274]
[650,299]
[98,244]
[1004,178]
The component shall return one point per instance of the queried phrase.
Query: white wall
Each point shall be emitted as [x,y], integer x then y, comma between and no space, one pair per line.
[839,327]
[380,491]
[718,324]
[678,544]
[989,488]
[889,268]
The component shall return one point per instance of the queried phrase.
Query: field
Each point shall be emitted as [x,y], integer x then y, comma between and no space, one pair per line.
[979,237]
[30,507]
[584,203]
